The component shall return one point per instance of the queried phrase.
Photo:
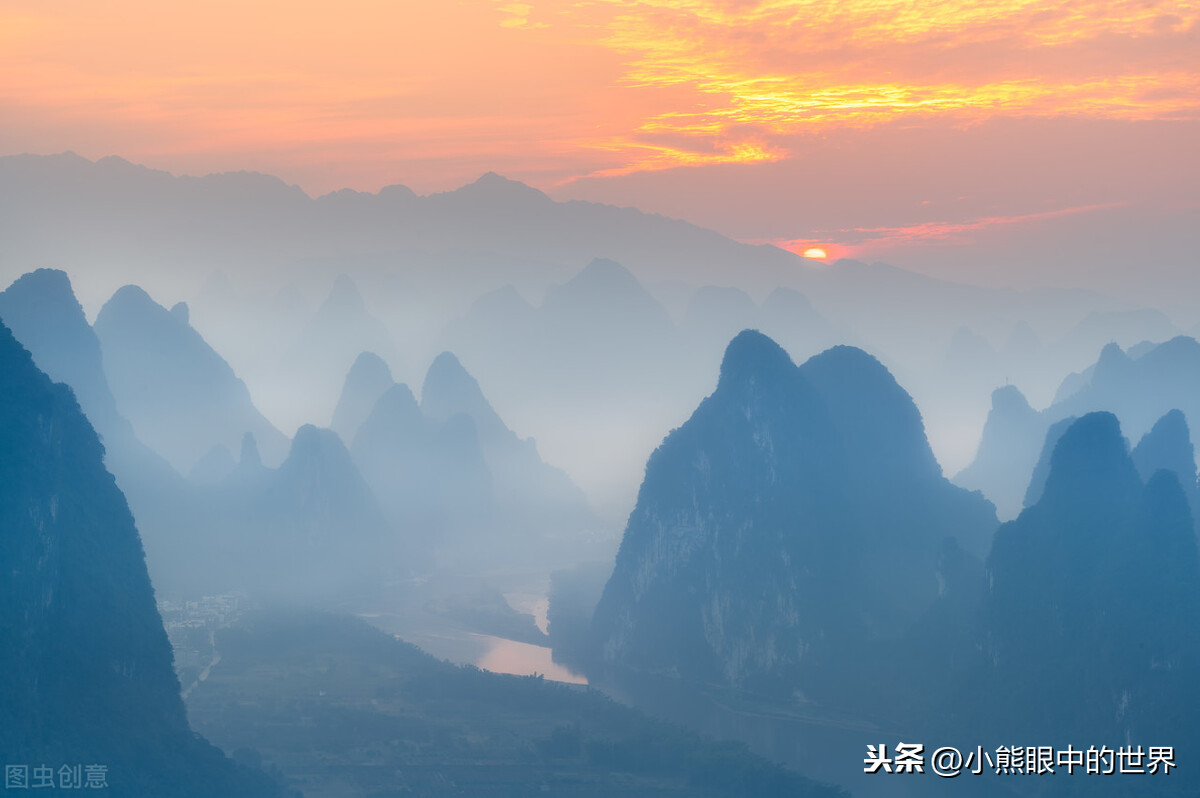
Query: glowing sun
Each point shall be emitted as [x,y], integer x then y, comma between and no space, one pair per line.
[816,253]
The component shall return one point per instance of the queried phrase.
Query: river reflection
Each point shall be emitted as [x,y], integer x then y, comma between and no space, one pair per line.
[463,647]
[523,659]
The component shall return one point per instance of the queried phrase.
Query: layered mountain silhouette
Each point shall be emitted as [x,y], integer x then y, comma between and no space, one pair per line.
[333,338]
[41,310]
[1168,447]
[180,395]
[450,467]
[795,519]
[264,222]
[49,322]
[1139,386]
[431,477]
[309,532]
[1092,601]
[528,493]
[366,381]
[1013,437]
[86,662]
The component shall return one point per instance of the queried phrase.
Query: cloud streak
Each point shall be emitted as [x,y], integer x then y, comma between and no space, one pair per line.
[553,90]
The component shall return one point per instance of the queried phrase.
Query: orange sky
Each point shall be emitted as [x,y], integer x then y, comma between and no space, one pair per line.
[566,95]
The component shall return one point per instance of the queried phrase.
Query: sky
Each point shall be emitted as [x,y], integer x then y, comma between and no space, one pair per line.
[959,138]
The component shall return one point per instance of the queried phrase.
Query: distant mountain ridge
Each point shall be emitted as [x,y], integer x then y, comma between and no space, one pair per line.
[264,221]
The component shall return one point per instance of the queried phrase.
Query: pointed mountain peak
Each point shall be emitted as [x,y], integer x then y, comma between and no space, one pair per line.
[712,298]
[40,298]
[213,467]
[751,356]
[967,342]
[1168,445]
[397,402]
[1022,340]
[41,310]
[1172,426]
[491,186]
[180,311]
[447,363]
[788,300]
[1009,401]
[607,275]
[449,389]
[44,283]
[877,419]
[311,439]
[504,300]
[369,369]
[1111,356]
[1168,530]
[853,362]
[250,458]
[132,305]
[131,297]
[366,381]
[394,417]
[1179,348]
[344,297]
[1091,466]
[397,193]
[314,444]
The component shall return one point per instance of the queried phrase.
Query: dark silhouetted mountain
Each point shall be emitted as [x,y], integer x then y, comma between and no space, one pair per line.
[181,396]
[41,310]
[86,662]
[292,684]
[792,522]
[1013,438]
[366,381]
[1041,468]
[1168,445]
[1093,598]
[1139,386]
[49,321]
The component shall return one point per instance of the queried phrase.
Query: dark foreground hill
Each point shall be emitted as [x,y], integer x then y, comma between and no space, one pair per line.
[87,677]
[341,708]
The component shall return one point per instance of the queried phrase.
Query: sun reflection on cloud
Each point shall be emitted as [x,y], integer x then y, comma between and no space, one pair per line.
[858,242]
